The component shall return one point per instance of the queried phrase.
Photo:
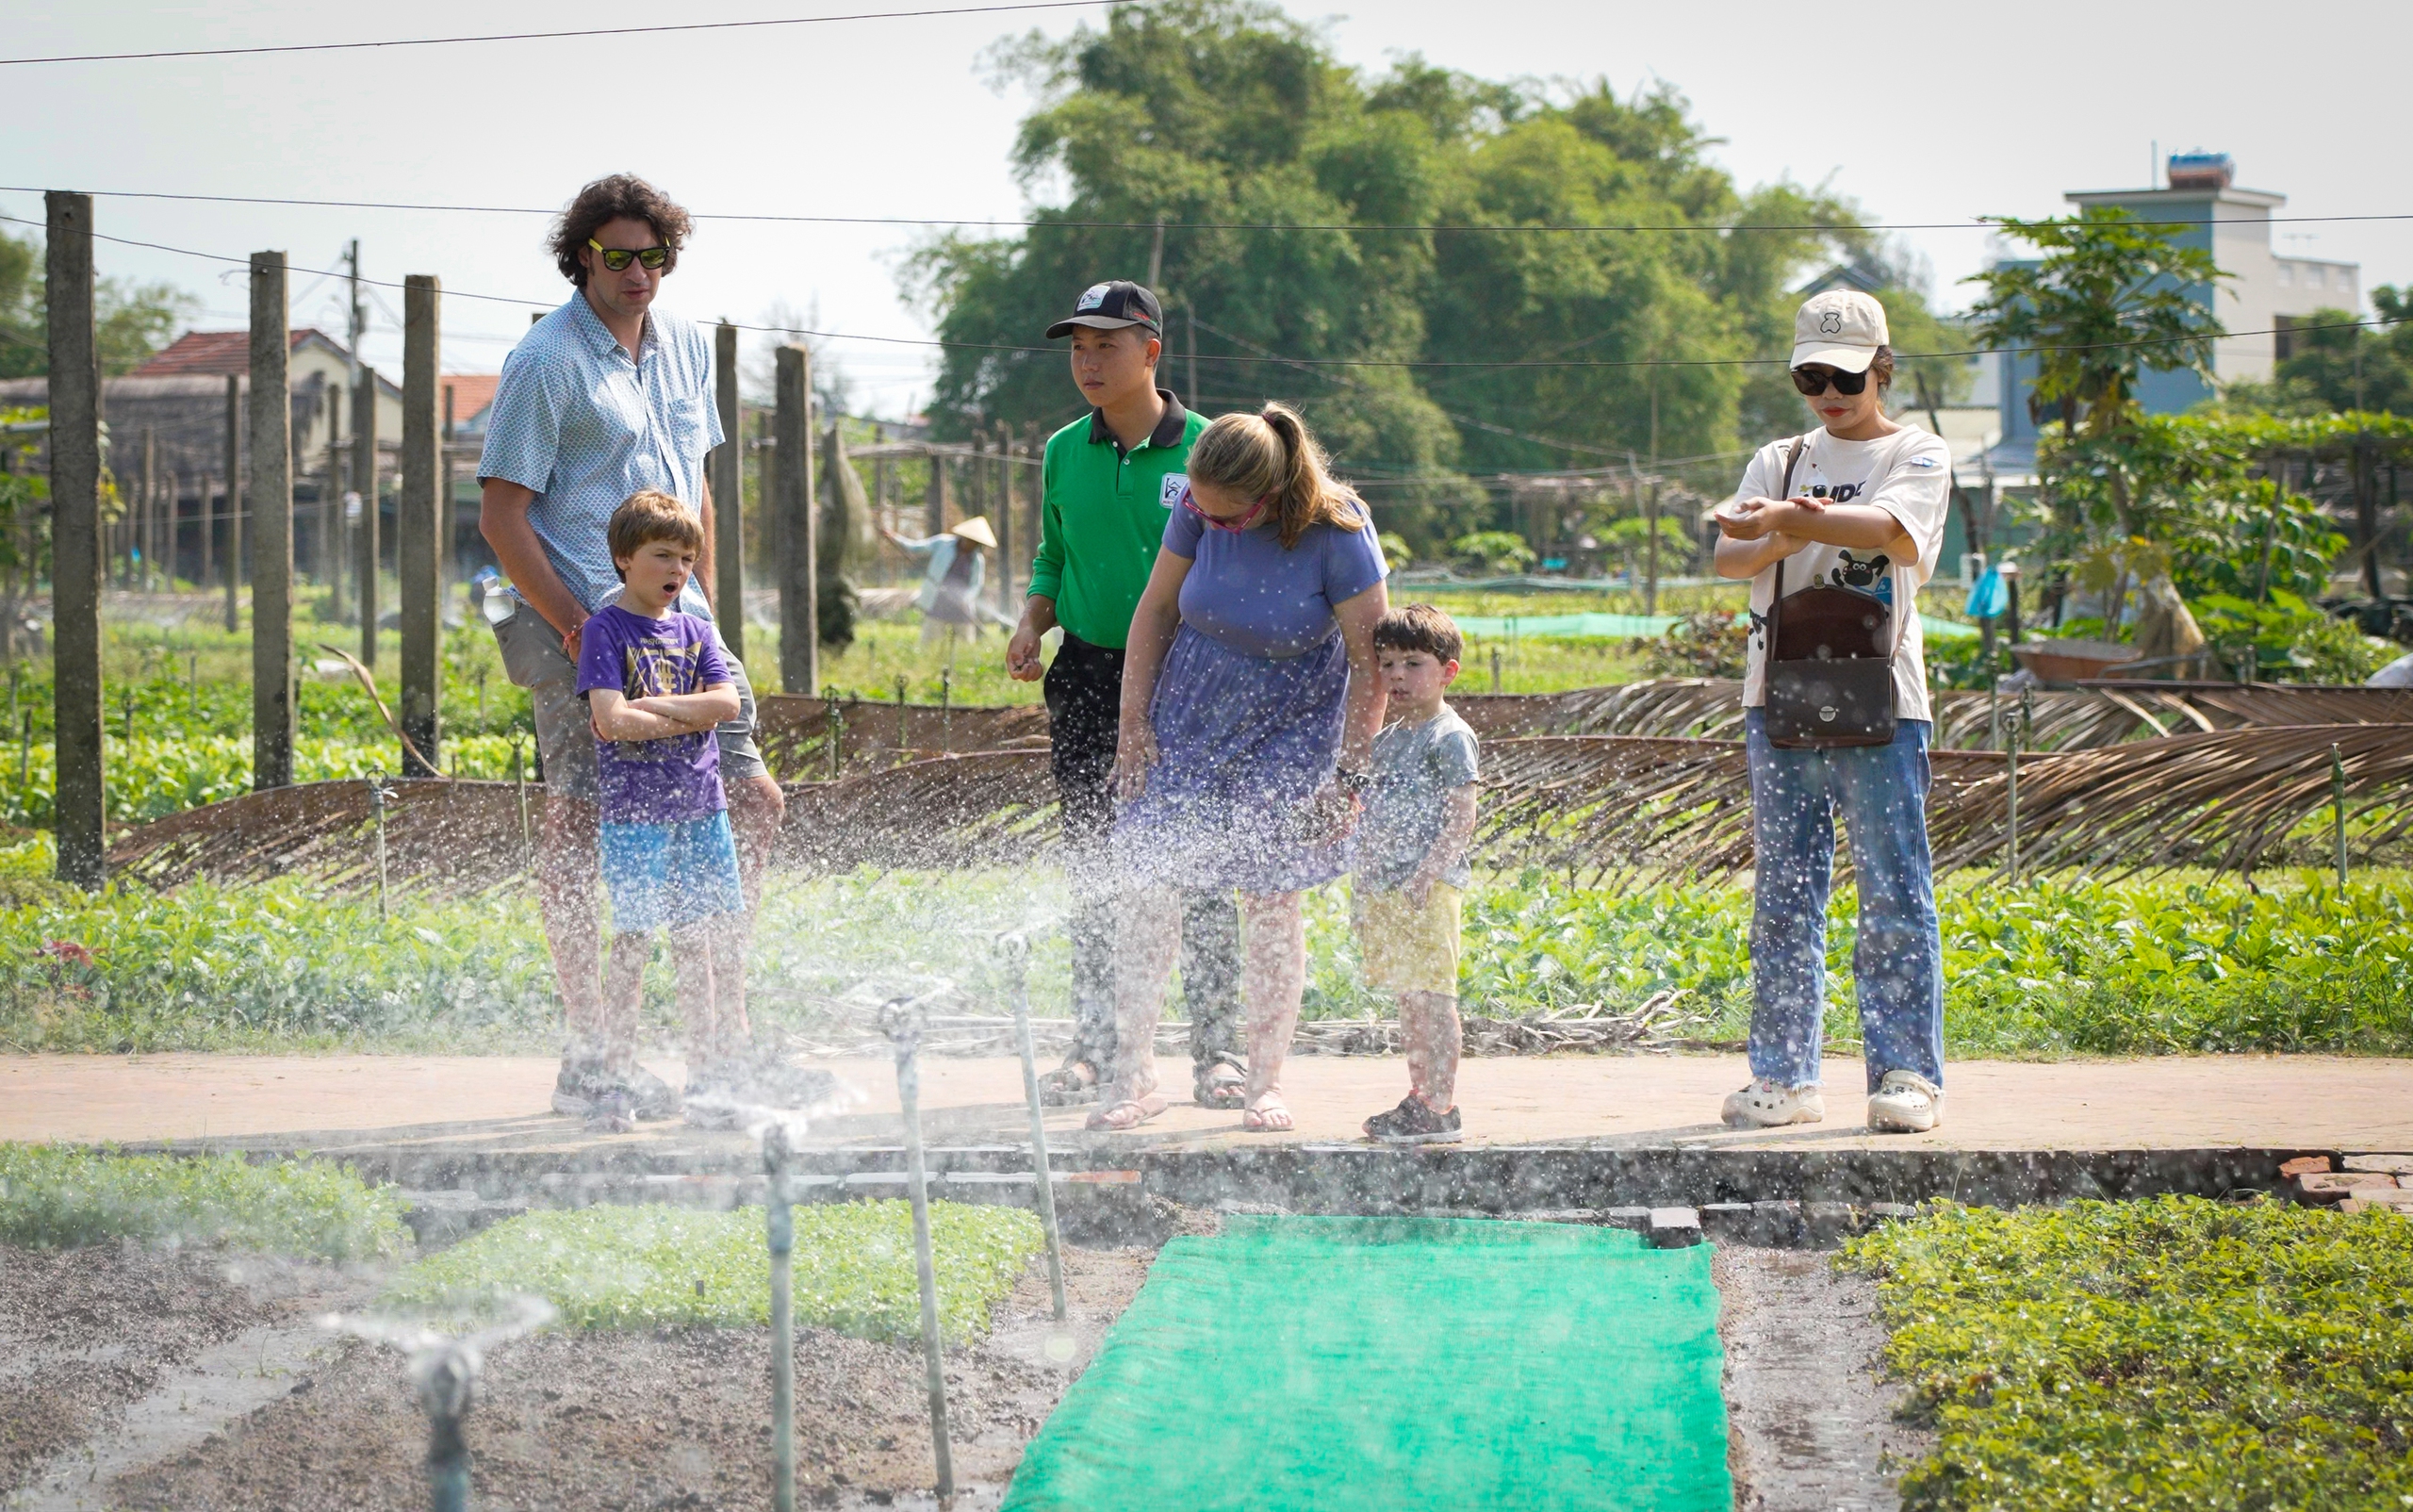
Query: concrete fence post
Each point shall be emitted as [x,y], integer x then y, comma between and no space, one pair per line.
[729,499]
[791,521]
[273,712]
[76,565]
[419,522]
[364,478]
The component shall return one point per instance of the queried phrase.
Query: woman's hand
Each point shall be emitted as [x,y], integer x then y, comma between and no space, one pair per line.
[1332,813]
[1751,519]
[1135,752]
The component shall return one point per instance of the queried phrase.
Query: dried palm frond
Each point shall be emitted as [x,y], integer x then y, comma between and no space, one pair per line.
[795,731]
[460,834]
[989,809]
[1636,806]
[2217,799]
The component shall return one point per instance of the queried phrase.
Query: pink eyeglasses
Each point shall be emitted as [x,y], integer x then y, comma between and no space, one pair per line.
[1256,513]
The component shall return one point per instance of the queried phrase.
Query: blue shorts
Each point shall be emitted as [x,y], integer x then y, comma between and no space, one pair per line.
[664,876]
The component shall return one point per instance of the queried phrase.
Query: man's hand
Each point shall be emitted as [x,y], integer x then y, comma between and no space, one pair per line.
[1022,653]
[570,638]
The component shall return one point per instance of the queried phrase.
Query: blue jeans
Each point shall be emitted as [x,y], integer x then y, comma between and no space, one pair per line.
[1897,962]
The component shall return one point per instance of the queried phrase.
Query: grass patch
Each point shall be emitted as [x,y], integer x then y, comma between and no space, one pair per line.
[2175,1353]
[646,1267]
[60,1196]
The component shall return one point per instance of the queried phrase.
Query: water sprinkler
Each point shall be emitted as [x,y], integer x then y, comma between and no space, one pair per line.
[444,1376]
[1016,950]
[902,1020]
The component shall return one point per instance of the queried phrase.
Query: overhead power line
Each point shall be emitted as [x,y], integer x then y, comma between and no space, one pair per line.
[544,36]
[1415,363]
[1982,223]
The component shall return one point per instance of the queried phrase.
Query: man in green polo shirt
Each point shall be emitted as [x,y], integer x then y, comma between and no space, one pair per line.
[1110,480]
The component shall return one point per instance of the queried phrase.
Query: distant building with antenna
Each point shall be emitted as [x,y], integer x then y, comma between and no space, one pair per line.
[2266,295]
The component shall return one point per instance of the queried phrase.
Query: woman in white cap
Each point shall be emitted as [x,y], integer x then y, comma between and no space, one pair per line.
[1845,522]
[950,596]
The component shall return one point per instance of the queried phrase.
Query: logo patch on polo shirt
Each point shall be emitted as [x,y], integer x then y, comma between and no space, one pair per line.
[1175,485]
[1091,297]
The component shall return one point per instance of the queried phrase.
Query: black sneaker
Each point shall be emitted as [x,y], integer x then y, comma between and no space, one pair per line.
[1413,1123]
[712,1099]
[582,1087]
[774,1083]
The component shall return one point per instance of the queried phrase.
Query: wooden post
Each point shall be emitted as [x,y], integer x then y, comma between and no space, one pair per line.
[792,522]
[1005,455]
[934,507]
[729,499]
[271,534]
[75,542]
[1650,553]
[364,478]
[234,449]
[2366,477]
[152,529]
[420,586]
[329,551]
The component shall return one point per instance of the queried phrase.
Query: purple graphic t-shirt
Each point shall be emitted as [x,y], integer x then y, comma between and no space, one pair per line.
[654,781]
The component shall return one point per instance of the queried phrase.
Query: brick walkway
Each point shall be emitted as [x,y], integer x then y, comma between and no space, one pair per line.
[2297,1102]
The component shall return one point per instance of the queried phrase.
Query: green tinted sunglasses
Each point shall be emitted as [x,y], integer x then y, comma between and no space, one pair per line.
[619,259]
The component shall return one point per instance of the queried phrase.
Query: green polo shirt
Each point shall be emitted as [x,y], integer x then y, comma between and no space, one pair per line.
[1103,516]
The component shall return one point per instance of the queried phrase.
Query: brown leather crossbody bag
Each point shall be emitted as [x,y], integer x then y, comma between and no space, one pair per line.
[1830,670]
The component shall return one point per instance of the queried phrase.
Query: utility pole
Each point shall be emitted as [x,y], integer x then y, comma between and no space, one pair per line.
[234,501]
[75,542]
[792,522]
[150,508]
[331,492]
[271,534]
[419,508]
[364,479]
[1189,324]
[728,498]
[1157,256]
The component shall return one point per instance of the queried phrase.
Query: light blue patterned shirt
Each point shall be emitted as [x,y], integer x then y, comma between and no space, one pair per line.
[582,426]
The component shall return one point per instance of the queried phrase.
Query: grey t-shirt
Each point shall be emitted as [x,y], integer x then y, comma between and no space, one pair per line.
[1415,765]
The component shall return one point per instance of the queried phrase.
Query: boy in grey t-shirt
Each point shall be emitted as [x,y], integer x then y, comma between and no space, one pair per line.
[1412,865]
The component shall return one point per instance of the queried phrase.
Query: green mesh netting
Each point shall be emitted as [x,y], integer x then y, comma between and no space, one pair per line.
[1341,1363]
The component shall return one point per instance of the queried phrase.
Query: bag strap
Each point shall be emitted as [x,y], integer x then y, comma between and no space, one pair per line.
[1783,490]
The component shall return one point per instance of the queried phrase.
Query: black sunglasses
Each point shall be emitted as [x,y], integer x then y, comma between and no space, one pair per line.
[1812,381]
[619,259]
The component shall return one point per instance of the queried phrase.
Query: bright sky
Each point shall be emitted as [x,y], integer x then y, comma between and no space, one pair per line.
[1933,113]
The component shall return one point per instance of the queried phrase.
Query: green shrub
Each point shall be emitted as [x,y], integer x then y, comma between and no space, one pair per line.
[63,1195]
[649,1266]
[2170,1353]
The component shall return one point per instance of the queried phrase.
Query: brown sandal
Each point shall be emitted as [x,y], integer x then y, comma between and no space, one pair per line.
[1123,1116]
[1221,1086]
[1268,1114]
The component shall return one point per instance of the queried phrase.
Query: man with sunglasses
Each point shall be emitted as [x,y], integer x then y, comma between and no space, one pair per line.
[1864,509]
[1108,480]
[604,397]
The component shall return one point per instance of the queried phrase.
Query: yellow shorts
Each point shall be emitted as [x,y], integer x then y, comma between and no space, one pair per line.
[1409,950]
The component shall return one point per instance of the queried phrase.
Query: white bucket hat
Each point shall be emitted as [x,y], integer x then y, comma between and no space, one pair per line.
[1840,328]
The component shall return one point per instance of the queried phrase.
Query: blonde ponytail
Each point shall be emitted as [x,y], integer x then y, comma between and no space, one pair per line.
[1271,454]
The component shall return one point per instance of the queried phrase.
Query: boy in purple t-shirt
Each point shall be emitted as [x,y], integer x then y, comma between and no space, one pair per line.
[657,685]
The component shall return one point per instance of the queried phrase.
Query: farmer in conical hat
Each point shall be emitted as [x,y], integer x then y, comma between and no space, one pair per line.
[950,596]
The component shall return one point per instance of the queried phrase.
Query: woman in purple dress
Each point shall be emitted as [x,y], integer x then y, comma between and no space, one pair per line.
[1250,702]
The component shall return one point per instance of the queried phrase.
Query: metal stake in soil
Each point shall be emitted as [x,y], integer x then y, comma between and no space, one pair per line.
[837,722]
[444,1375]
[782,1240]
[901,1020]
[1017,951]
[378,794]
[2338,800]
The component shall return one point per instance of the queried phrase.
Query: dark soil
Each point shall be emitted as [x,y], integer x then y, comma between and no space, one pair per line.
[677,1418]
[85,1332]
[1811,1421]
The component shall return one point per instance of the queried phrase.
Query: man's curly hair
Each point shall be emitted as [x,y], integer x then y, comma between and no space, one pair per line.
[622,195]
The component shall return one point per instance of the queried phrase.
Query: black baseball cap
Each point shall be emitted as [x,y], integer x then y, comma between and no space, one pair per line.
[1110,306]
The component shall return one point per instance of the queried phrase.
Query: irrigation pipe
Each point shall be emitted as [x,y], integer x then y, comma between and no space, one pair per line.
[1017,953]
[901,1020]
[778,1206]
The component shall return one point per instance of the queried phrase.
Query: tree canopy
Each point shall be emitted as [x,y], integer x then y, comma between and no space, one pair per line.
[1424,215]
[130,320]
[2339,364]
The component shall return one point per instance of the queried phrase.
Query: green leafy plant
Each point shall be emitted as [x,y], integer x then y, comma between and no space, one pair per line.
[649,1266]
[1497,552]
[1703,643]
[2164,1354]
[63,1195]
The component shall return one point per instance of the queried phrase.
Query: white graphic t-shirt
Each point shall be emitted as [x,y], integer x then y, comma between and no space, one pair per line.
[1909,475]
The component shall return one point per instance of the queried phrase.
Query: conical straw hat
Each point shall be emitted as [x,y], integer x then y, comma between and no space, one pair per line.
[975,530]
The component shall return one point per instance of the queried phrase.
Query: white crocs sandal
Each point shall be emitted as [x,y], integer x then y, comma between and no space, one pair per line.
[1905,1103]
[1765,1104]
